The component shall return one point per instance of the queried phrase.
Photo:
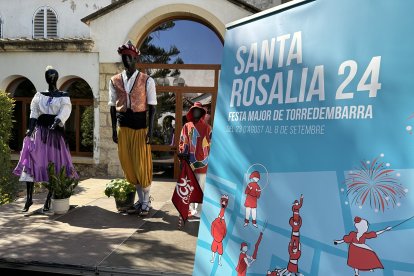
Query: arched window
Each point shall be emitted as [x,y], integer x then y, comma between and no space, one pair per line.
[79,126]
[22,90]
[45,23]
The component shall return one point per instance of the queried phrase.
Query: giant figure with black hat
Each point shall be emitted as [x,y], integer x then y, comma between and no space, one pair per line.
[131,95]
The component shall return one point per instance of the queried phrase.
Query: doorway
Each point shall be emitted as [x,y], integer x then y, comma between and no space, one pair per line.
[183,55]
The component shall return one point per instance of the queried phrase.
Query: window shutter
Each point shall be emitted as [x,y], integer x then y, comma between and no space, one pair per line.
[39,24]
[51,24]
[45,23]
[1,28]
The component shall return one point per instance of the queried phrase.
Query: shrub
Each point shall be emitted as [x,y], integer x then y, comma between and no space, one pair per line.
[8,182]
[119,189]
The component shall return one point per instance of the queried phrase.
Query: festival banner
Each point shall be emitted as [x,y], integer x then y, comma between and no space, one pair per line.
[311,170]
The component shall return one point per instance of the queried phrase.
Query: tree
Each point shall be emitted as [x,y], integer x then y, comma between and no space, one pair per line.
[150,53]
[8,182]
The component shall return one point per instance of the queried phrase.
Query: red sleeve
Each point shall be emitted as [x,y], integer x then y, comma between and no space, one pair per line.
[259,191]
[214,228]
[348,238]
[370,235]
[247,191]
[301,202]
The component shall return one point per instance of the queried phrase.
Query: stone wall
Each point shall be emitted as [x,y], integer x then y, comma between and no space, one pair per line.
[108,149]
[92,170]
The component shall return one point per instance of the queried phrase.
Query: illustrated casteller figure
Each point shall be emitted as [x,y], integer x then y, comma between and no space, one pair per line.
[252,192]
[219,230]
[296,208]
[245,260]
[294,256]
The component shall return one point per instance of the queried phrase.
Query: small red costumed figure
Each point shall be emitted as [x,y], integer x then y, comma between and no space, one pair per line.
[295,237]
[243,262]
[296,207]
[252,192]
[360,256]
[294,256]
[219,230]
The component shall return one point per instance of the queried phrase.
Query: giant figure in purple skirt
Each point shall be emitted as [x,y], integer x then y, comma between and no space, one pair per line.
[44,141]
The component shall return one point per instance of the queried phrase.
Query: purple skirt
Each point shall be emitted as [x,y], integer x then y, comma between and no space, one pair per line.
[42,147]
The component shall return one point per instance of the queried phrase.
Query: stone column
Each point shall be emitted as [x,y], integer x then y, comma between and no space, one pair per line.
[108,150]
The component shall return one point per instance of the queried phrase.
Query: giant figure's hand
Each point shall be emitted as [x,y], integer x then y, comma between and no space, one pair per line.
[29,132]
[115,136]
[55,124]
[32,124]
[149,138]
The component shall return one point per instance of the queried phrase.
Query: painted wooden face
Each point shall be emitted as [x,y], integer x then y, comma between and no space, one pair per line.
[129,62]
[51,76]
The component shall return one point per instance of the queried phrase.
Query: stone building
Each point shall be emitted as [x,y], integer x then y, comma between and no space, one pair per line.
[79,38]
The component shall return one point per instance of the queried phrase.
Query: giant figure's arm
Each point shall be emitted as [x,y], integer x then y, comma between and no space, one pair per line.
[114,124]
[152,109]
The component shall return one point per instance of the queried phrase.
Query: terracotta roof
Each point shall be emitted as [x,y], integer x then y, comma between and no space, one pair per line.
[120,3]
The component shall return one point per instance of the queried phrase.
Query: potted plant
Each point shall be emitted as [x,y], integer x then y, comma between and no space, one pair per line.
[63,187]
[122,191]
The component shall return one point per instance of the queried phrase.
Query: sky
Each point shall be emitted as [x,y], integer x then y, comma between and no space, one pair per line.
[198,44]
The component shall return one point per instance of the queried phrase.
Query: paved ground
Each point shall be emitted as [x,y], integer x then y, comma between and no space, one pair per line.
[94,238]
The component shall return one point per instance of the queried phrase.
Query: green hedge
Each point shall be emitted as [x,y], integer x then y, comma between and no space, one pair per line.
[8,182]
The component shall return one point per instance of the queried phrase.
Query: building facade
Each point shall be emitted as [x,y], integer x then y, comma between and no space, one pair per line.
[79,38]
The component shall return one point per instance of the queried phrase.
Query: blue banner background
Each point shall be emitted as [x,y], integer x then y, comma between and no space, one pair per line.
[316,165]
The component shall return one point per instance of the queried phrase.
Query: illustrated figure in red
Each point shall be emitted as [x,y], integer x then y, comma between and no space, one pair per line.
[295,237]
[360,256]
[244,260]
[219,230]
[252,192]
[294,250]
[296,222]
[294,256]
[296,207]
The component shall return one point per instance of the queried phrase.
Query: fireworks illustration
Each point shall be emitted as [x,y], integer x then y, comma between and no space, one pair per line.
[376,184]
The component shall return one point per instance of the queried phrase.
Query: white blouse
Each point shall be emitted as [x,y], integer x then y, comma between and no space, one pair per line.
[60,106]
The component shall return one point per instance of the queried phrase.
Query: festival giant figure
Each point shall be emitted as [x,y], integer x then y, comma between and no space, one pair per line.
[131,96]
[44,141]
